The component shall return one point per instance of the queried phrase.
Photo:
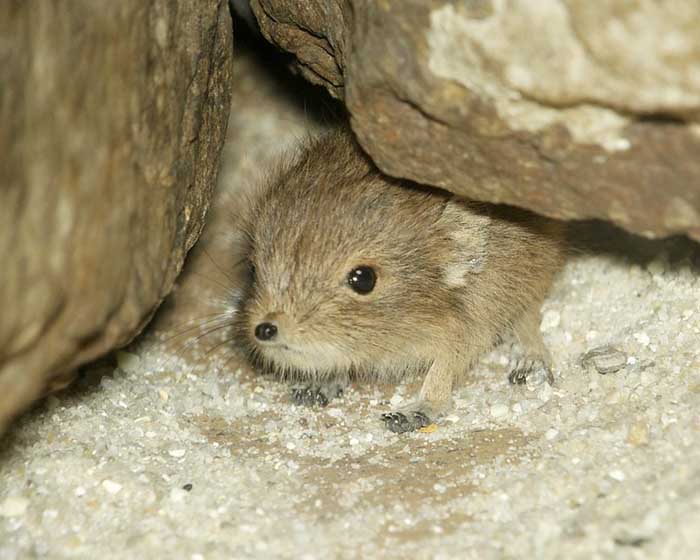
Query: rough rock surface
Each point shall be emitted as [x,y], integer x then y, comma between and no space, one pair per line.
[113,118]
[573,109]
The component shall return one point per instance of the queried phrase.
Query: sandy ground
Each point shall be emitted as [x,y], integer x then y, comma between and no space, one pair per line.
[174,448]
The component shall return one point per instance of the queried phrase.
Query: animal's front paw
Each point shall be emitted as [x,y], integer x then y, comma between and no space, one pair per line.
[407,421]
[315,395]
[309,396]
[534,371]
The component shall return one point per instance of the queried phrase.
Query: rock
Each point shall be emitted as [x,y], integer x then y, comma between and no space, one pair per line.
[14,506]
[573,109]
[642,338]
[605,359]
[498,410]
[617,474]
[550,320]
[638,434]
[113,118]
[128,362]
[111,486]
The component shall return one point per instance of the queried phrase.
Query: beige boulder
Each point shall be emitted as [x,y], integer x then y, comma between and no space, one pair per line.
[113,118]
[573,109]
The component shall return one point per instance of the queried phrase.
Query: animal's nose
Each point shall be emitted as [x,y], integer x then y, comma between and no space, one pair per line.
[265,331]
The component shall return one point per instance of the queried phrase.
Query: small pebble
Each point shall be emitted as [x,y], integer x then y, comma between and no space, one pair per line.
[551,434]
[642,338]
[187,487]
[605,359]
[177,453]
[550,320]
[544,392]
[111,486]
[498,410]
[535,379]
[617,474]
[14,506]
[656,267]
[638,434]
[53,401]
[128,362]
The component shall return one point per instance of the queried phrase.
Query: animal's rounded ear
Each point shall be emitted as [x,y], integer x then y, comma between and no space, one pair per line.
[468,225]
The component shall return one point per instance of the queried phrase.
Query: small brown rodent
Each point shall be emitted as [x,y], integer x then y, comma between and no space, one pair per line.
[357,274]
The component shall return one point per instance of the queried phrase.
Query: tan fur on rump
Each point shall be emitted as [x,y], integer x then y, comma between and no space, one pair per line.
[453,276]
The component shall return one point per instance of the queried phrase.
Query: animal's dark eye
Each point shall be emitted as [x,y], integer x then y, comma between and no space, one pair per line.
[362,279]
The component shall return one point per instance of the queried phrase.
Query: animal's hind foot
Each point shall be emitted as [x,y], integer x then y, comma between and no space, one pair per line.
[400,422]
[411,417]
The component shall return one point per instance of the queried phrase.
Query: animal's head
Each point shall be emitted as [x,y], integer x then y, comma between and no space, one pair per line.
[348,268]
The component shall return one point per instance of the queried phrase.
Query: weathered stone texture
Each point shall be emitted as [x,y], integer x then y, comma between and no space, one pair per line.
[113,117]
[573,109]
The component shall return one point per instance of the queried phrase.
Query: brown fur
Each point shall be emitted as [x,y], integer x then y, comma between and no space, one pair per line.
[453,276]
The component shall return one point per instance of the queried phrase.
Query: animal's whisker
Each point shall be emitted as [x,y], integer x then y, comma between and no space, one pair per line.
[197,324]
[183,348]
[217,283]
[216,265]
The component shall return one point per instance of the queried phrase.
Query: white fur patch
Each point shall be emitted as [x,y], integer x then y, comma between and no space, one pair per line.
[284,280]
[470,232]
[456,274]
